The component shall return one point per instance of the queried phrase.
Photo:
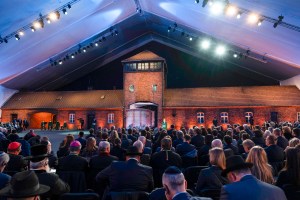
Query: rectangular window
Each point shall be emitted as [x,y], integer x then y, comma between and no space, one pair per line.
[224,117]
[249,117]
[72,118]
[200,117]
[110,118]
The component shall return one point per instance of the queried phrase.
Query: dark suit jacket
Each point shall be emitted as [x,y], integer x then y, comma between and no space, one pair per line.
[126,175]
[197,141]
[57,186]
[100,162]
[184,148]
[118,152]
[210,178]
[275,153]
[250,188]
[16,163]
[4,180]
[72,163]
[187,196]
[282,142]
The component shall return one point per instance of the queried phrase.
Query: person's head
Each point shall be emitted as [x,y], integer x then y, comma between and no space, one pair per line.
[187,138]
[294,142]
[81,134]
[40,165]
[217,143]
[247,145]
[104,147]
[258,133]
[118,142]
[24,186]
[277,132]
[166,143]
[208,139]
[104,136]
[296,132]
[14,148]
[227,139]
[260,169]
[292,165]
[139,145]
[245,135]
[133,152]
[236,168]
[113,135]
[4,158]
[179,134]
[142,139]
[270,140]
[75,147]
[217,157]
[197,131]
[91,131]
[173,182]
[68,140]
[90,143]
[266,134]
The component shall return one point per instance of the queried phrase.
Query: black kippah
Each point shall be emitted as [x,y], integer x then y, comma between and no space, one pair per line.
[172,170]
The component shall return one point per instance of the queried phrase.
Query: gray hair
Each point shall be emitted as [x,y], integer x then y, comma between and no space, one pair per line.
[103,145]
[217,143]
[174,180]
[4,158]
[37,165]
[139,146]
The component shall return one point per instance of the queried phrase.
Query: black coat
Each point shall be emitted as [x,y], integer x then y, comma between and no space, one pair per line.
[197,141]
[118,152]
[274,153]
[282,142]
[16,163]
[210,178]
[184,148]
[57,186]
[126,175]
[72,163]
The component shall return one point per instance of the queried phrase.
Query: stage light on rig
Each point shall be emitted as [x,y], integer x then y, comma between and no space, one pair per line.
[253,18]
[217,8]
[205,44]
[65,11]
[220,50]
[231,10]
[21,33]
[238,15]
[38,24]
[280,18]
[60,62]
[32,28]
[259,23]
[17,37]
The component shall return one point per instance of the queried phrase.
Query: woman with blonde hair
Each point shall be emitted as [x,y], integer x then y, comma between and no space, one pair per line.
[261,169]
[113,135]
[211,178]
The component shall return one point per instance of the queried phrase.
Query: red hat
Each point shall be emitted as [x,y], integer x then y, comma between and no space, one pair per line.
[13,146]
[75,144]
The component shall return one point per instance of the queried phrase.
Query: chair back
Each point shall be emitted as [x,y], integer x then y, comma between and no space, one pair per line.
[212,193]
[75,179]
[189,161]
[191,175]
[80,196]
[128,195]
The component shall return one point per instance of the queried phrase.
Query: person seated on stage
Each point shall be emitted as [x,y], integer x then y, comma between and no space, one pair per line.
[16,162]
[39,163]
[24,186]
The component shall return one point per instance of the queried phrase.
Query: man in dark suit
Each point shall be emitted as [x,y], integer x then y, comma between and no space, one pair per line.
[198,139]
[244,185]
[185,147]
[275,154]
[175,185]
[127,175]
[73,162]
[39,164]
[281,141]
[16,162]
[163,159]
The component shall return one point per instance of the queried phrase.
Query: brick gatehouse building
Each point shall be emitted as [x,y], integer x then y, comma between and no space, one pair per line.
[145,101]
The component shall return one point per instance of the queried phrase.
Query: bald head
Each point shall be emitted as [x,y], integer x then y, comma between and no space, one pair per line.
[139,146]
[217,143]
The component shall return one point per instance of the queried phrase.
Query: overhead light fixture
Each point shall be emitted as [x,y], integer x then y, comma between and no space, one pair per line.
[38,24]
[48,20]
[96,44]
[280,18]
[65,11]
[231,10]
[235,55]
[21,33]
[191,38]
[32,28]
[17,37]
[205,44]
[69,6]
[60,62]
[259,22]
[72,56]
[84,50]
[169,28]
[53,16]
[220,50]
[239,14]
[253,18]
[217,8]
[103,38]
[116,32]
[197,1]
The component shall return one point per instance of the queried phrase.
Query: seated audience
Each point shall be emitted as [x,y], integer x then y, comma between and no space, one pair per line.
[244,185]
[64,146]
[291,172]
[126,143]
[247,145]
[296,132]
[175,185]
[287,132]
[293,143]
[146,150]
[16,162]
[281,141]
[81,139]
[91,133]
[185,148]
[179,140]
[228,144]
[52,159]
[163,159]
[127,175]
[202,154]
[258,138]
[117,150]
[211,178]
[24,186]
[144,158]
[198,139]
[90,150]
[39,164]
[4,178]
[260,169]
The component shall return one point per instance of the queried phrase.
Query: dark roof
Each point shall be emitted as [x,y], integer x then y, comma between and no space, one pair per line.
[63,99]
[144,56]
[233,96]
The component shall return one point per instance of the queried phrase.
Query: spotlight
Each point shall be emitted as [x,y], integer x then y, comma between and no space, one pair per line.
[217,8]
[220,50]
[253,18]
[38,24]
[280,18]
[5,40]
[197,1]
[21,33]
[231,10]
[54,16]
[84,50]
[72,56]
[60,62]
[205,44]
[235,55]
[275,24]
[116,32]
[69,6]
[103,38]
[169,28]
[65,11]
[96,44]
[48,20]
[17,37]
[259,22]
[239,14]
[204,3]
[32,28]
[191,38]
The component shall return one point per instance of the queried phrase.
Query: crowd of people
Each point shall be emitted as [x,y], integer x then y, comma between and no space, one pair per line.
[241,162]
